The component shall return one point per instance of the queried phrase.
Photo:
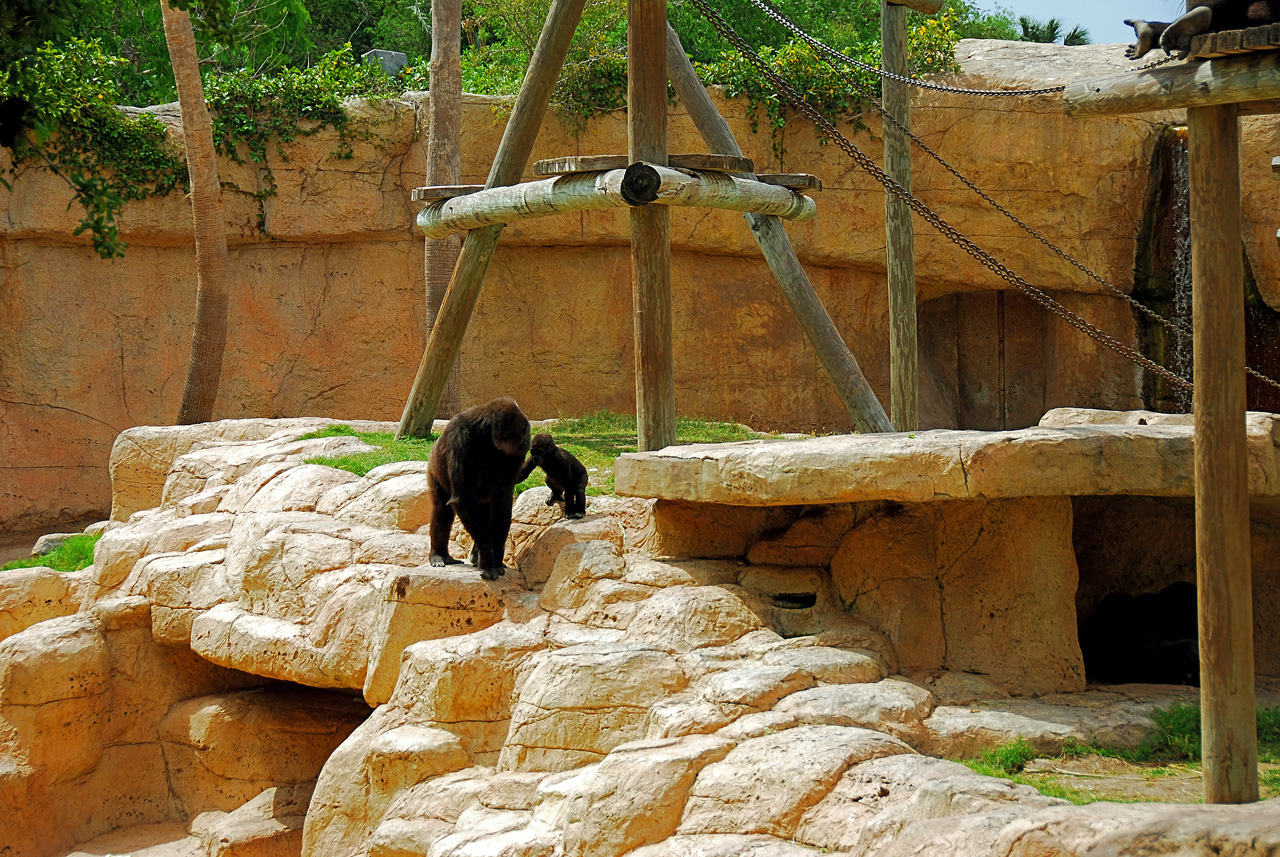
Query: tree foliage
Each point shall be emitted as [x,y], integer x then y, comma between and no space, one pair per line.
[270,64]
[1050,31]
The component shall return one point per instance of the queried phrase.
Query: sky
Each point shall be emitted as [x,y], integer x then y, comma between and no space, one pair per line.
[1104,19]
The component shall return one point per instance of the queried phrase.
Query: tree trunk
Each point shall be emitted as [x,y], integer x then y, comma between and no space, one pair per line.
[209,335]
[444,164]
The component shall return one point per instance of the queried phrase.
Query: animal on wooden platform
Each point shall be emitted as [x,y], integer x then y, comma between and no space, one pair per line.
[1206,16]
[566,477]
[473,471]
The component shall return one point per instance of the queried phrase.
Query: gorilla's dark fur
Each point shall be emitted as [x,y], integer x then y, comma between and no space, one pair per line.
[1206,16]
[566,477]
[473,471]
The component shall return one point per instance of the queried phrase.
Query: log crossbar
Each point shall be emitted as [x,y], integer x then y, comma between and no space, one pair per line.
[1245,78]
[612,189]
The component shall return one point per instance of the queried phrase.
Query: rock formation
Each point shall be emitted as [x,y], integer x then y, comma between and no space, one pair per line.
[263,663]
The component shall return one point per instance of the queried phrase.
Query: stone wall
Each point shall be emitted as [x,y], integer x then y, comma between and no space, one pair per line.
[327,306]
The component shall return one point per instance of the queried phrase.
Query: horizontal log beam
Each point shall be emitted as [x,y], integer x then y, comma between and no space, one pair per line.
[600,163]
[612,189]
[1230,80]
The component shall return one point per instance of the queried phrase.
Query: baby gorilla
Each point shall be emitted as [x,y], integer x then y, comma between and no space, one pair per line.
[473,471]
[566,477]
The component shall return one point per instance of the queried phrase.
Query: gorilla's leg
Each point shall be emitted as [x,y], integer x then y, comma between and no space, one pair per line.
[441,526]
[1177,36]
[1148,33]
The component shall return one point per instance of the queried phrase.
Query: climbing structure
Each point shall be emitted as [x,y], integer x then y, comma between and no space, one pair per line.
[647,182]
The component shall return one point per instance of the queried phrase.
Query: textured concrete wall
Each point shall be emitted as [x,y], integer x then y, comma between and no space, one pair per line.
[327,306]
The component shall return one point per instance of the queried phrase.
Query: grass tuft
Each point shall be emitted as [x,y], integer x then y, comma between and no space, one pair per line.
[1170,748]
[388,449]
[72,555]
[335,430]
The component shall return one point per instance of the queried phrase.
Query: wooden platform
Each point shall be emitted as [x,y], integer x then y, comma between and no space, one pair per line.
[1229,42]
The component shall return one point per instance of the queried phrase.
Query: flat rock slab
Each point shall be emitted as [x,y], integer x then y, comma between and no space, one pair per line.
[1072,452]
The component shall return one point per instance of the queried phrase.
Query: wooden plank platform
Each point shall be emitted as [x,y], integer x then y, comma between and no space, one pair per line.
[794,181]
[599,163]
[1230,42]
[449,191]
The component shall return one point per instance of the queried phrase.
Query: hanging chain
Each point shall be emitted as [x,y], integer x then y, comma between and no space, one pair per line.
[773,12]
[950,232]
[836,59]
[781,19]
[830,56]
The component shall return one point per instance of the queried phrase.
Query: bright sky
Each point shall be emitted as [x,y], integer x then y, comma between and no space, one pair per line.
[1104,19]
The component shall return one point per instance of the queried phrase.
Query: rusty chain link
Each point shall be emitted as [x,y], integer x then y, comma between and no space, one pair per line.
[835,59]
[950,232]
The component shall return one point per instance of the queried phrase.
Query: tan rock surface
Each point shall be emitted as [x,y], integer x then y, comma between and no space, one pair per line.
[765,785]
[875,800]
[338,222]
[270,825]
[81,698]
[222,751]
[934,465]
[959,586]
[31,595]
[574,705]
[681,618]
[636,794]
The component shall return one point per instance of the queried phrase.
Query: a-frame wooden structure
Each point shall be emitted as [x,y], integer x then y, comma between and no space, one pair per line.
[652,47]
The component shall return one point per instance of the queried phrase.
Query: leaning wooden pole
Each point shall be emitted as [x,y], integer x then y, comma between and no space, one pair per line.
[839,363]
[900,263]
[650,226]
[477,249]
[1223,578]
[444,164]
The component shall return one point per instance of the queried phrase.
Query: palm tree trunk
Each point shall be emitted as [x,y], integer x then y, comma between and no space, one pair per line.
[209,335]
[444,164]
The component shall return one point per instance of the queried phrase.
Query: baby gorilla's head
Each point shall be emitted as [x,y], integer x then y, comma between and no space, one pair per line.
[542,445]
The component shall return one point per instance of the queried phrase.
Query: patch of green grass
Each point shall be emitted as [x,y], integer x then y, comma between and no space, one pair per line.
[335,430]
[1005,760]
[1171,748]
[72,555]
[595,439]
[388,449]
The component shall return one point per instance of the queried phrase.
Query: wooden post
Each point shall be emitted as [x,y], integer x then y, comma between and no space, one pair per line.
[838,362]
[650,226]
[900,264]
[444,164]
[1227,699]
[477,249]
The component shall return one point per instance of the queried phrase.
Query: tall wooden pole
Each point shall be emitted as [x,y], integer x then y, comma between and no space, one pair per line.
[904,385]
[477,249]
[444,164]
[1227,699]
[840,364]
[650,226]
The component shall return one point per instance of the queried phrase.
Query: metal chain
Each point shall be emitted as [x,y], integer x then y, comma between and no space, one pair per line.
[1177,326]
[950,232]
[781,19]
[773,12]
[835,59]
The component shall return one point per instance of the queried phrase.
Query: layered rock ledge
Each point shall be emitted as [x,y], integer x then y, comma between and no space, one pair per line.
[262,662]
